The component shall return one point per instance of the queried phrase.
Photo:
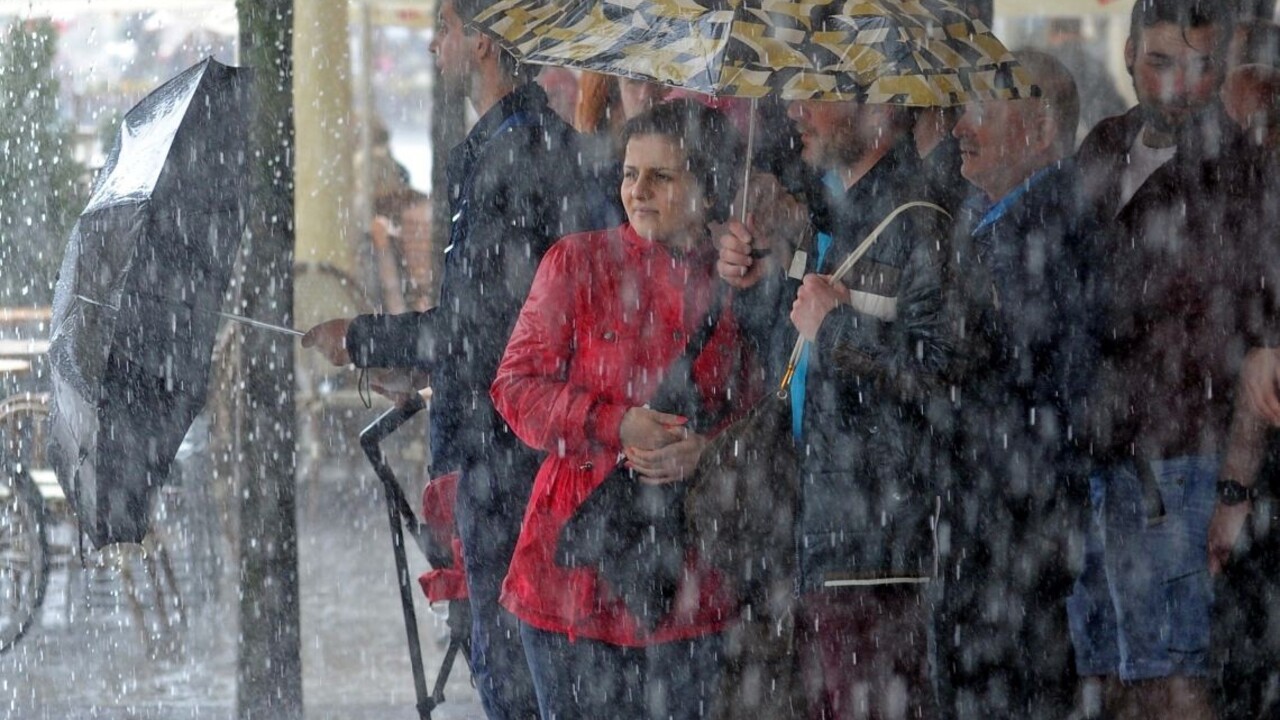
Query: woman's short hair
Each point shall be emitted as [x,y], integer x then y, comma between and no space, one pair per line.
[712,147]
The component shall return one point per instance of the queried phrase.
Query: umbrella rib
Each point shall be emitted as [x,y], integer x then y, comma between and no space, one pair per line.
[226,315]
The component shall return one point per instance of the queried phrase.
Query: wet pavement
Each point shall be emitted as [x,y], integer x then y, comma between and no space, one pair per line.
[113,642]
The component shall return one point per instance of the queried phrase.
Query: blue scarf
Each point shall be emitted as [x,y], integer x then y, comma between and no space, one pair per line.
[798,382]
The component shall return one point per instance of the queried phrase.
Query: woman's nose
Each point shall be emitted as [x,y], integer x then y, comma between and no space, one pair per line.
[640,188]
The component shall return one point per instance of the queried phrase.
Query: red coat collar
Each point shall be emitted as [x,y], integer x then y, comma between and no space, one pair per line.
[704,256]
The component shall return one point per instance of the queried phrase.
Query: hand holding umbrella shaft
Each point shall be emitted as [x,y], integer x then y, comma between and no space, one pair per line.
[817,297]
[330,338]
[736,265]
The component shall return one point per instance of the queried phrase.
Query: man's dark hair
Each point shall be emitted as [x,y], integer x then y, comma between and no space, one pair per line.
[467,9]
[1186,14]
[522,72]
[711,147]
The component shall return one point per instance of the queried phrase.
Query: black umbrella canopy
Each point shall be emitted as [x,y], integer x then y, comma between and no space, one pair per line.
[152,253]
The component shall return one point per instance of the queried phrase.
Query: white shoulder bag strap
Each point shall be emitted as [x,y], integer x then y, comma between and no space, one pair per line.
[848,264]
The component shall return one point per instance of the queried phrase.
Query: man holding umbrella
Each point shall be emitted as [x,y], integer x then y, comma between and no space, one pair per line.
[876,349]
[509,184]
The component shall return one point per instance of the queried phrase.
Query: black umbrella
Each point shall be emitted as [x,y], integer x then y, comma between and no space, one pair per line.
[132,342]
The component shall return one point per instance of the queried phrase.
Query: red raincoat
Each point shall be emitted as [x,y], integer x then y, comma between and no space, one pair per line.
[608,312]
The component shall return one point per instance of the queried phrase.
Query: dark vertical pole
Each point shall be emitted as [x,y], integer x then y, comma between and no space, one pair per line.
[269,666]
[1250,9]
[1262,9]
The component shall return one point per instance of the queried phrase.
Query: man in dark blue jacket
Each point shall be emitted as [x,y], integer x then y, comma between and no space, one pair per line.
[1018,493]
[878,346]
[514,187]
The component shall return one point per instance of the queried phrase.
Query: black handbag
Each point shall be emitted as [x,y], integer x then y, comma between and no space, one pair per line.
[634,534]
[741,505]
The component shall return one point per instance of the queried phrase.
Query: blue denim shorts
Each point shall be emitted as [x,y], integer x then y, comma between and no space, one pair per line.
[1140,608]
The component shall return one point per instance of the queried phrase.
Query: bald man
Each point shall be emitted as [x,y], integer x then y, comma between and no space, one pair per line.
[1019,490]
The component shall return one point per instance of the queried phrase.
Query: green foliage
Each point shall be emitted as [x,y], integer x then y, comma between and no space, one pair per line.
[40,189]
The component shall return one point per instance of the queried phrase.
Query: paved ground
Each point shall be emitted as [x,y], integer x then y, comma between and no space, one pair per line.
[95,654]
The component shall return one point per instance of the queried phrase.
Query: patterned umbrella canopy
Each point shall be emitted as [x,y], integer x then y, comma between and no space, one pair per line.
[918,53]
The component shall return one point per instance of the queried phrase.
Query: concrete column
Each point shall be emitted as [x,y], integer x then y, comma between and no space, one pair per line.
[326,136]
[269,647]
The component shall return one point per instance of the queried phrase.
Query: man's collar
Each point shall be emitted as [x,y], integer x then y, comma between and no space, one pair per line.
[902,156]
[1209,125]
[997,210]
[528,97]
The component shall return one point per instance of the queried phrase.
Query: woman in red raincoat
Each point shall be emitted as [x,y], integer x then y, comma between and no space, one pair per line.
[609,311]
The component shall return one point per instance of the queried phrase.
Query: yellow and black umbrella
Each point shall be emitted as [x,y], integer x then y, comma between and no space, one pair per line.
[917,53]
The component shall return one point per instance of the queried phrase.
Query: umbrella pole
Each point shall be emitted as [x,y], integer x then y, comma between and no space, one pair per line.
[225,315]
[256,323]
[746,173]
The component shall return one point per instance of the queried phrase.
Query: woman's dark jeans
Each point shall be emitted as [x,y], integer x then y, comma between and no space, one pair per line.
[589,679]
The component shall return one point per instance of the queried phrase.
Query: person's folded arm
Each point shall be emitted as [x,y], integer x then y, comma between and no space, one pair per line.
[532,390]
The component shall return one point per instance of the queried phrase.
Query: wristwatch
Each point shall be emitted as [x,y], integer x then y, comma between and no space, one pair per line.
[1231,492]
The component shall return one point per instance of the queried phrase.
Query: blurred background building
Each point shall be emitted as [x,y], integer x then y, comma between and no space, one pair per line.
[364,86]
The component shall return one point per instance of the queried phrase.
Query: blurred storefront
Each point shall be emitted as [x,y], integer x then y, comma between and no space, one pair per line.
[112,52]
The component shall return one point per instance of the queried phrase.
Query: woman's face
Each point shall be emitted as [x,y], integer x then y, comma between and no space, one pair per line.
[638,95]
[662,198]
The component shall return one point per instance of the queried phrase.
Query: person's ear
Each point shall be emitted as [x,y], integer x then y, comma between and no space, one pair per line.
[884,115]
[1130,55]
[874,116]
[484,46]
[1046,129]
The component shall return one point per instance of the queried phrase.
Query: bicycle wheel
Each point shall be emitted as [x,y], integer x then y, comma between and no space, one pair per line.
[24,555]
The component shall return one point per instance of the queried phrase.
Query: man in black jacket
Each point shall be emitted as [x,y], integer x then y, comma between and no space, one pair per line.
[1023,271]
[878,344]
[1174,182]
[514,187]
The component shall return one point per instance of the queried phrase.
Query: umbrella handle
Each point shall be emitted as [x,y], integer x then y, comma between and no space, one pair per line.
[371,442]
[370,439]
[391,420]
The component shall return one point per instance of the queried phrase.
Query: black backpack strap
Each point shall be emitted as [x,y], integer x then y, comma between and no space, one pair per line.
[676,392]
